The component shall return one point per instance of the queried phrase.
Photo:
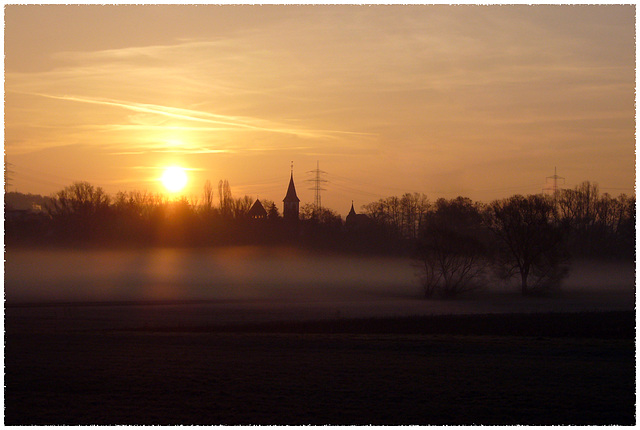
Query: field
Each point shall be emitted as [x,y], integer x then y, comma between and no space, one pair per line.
[327,372]
[320,353]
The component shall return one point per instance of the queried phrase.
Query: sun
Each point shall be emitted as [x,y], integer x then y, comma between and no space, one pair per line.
[174,178]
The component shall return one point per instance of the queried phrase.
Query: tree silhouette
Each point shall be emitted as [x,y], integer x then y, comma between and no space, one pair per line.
[402,216]
[272,210]
[530,241]
[531,231]
[80,211]
[207,196]
[450,252]
[226,199]
[594,221]
[138,215]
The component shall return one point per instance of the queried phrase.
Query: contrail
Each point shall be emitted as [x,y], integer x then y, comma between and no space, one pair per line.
[199,116]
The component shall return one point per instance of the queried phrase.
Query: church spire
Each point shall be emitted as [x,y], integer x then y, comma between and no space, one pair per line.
[291,200]
[352,211]
[291,196]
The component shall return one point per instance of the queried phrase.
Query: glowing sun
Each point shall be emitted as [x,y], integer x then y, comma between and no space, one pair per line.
[174,178]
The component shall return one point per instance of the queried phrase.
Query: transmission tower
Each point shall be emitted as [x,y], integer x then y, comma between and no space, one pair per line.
[318,181]
[8,175]
[554,187]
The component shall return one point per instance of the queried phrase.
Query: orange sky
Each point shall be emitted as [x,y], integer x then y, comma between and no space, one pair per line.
[447,100]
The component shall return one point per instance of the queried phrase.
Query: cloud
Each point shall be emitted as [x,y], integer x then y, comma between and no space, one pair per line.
[231,122]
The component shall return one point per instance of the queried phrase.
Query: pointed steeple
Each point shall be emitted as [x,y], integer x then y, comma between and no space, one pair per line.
[291,201]
[291,192]
[352,211]
[351,216]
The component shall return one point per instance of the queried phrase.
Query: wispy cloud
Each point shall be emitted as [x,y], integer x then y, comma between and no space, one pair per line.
[160,168]
[174,151]
[233,122]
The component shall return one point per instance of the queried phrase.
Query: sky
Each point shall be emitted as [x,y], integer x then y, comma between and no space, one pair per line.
[479,101]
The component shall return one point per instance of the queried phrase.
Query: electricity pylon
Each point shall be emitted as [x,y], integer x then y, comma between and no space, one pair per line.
[8,175]
[554,187]
[318,181]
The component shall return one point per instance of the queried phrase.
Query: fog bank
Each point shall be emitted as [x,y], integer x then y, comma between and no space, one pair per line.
[291,280]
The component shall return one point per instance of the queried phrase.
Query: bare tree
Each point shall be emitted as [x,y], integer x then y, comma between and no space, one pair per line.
[325,216]
[414,207]
[80,211]
[226,199]
[81,199]
[241,206]
[207,196]
[404,215]
[375,211]
[530,241]
[593,220]
[579,206]
[450,252]
[138,204]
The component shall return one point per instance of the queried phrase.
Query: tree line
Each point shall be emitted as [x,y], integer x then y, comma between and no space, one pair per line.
[456,243]
[459,245]
[83,214]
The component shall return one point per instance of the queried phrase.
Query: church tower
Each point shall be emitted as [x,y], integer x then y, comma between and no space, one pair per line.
[291,201]
[352,215]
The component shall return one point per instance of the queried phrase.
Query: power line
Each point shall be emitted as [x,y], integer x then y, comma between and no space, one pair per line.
[353,190]
[617,189]
[360,186]
[26,174]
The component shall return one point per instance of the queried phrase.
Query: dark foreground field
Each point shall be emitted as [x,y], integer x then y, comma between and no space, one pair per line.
[495,369]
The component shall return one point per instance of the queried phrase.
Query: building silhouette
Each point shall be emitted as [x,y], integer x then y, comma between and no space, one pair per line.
[356,221]
[291,202]
[257,211]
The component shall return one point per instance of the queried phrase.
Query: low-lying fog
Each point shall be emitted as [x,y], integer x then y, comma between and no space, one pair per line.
[285,277]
